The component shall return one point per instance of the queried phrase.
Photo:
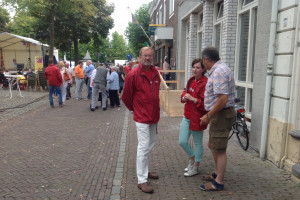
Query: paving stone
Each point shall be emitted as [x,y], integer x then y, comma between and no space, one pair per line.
[72,153]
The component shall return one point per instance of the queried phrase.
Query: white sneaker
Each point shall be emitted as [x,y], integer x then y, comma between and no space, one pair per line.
[191,164]
[192,172]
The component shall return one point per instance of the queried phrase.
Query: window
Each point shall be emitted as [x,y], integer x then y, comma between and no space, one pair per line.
[171,7]
[220,10]
[218,25]
[199,34]
[245,53]
[187,44]
[246,2]
[165,11]
[160,15]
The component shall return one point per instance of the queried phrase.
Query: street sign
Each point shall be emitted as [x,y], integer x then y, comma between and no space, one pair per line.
[129,56]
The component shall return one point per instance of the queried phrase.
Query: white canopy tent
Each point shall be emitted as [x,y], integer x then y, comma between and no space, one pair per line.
[22,49]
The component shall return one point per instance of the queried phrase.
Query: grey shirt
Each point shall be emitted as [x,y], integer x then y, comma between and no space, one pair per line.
[101,76]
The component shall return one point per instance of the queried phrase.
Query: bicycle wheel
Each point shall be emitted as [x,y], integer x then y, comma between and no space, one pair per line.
[242,135]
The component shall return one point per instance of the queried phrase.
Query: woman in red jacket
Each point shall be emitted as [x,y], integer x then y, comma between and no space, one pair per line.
[193,97]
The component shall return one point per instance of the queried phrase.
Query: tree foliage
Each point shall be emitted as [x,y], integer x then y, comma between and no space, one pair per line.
[118,50]
[81,21]
[135,35]
[4,18]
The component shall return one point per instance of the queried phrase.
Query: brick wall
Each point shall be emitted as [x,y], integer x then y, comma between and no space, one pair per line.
[229,32]
[208,9]
[192,42]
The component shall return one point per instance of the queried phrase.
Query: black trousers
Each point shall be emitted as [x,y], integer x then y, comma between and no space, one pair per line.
[69,90]
[114,98]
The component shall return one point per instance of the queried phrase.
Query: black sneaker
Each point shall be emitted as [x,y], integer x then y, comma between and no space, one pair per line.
[104,108]
[92,109]
[96,107]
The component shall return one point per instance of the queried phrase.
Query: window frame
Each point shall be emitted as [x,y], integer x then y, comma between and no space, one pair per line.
[171,8]
[199,34]
[160,16]
[165,12]
[218,21]
[248,83]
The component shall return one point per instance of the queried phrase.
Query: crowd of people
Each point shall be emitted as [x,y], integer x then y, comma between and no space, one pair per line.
[208,98]
[102,81]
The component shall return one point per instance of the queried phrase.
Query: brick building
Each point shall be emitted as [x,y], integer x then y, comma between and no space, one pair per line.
[163,17]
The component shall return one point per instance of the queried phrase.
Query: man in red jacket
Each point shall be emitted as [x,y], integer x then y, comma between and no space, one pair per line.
[141,95]
[53,75]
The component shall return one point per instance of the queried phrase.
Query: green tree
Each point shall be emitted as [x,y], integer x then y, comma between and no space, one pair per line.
[78,20]
[4,19]
[118,50]
[23,24]
[96,52]
[135,35]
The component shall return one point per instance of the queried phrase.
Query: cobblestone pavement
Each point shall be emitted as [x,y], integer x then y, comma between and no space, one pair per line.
[73,153]
[29,101]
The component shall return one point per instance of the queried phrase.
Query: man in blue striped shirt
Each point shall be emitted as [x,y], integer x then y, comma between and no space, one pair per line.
[89,71]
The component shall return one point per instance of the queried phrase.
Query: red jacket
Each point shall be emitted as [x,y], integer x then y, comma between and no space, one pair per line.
[141,95]
[127,69]
[53,75]
[193,111]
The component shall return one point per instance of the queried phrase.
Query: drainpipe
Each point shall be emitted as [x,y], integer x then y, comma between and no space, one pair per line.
[267,102]
[294,86]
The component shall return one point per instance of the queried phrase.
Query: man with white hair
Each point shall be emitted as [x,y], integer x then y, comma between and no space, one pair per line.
[89,71]
[141,95]
[114,88]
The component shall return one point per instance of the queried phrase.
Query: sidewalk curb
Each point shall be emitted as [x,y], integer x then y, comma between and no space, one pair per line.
[117,181]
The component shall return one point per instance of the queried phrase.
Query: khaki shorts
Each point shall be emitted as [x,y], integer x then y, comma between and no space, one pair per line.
[219,129]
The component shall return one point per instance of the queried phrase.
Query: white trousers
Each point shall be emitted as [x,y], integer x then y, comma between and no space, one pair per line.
[63,88]
[146,134]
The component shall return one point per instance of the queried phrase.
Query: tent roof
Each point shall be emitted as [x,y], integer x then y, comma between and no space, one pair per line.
[87,56]
[8,39]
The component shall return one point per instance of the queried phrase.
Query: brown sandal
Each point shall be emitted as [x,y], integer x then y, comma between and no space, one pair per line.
[211,186]
[208,178]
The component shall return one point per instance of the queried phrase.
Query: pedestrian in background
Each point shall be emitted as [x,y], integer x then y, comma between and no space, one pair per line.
[99,82]
[66,76]
[70,82]
[127,68]
[88,71]
[143,84]
[113,80]
[219,102]
[121,79]
[193,97]
[166,66]
[53,75]
[79,80]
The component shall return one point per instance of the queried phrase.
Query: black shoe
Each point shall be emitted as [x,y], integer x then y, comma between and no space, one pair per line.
[92,109]
[96,107]
[104,108]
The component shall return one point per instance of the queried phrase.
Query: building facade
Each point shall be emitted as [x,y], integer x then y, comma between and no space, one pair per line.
[259,40]
[163,17]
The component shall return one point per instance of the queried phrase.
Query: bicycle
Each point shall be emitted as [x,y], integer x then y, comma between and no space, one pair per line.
[239,127]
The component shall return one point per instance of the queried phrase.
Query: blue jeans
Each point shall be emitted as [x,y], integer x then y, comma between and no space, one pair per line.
[184,136]
[54,90]
[89,89]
